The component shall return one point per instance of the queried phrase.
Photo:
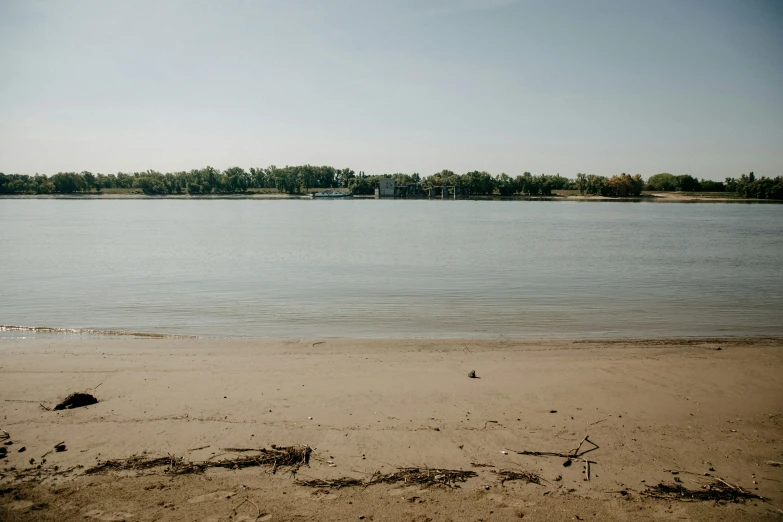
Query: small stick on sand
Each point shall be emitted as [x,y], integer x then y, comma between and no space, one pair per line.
[258,510]
[587,469]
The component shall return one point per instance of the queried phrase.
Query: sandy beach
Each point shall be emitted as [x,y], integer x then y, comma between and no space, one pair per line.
[673,412]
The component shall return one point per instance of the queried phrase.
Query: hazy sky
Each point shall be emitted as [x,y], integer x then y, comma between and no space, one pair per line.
[682,86]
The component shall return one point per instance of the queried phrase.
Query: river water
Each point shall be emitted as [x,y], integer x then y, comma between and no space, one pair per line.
[291,269]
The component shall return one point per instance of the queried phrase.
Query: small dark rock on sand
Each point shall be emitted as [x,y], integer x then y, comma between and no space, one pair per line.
[472,374]
[76,400]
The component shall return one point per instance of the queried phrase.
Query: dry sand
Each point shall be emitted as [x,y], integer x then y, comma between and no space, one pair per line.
[375,405]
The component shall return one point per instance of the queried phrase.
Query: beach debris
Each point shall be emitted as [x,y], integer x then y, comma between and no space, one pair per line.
[22,449]
[76,400]
[552,411]
[508,475]
[339,483]
[60,446]
[472,374]
[504,452]
[424,477]
[4,435]
[718,490]
[577,453]
[774,463]
[3,452]
[587,469]
[247,500]
[717,348]
[279,457]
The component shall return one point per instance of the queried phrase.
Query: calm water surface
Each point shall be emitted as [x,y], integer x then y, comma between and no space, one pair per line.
[393,268]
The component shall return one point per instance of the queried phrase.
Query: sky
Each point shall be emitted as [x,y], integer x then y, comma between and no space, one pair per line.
[382,86]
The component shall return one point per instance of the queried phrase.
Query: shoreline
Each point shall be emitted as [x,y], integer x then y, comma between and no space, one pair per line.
[69,333]
[651,405]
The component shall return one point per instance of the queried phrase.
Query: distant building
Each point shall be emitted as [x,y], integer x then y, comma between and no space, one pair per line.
[386,188]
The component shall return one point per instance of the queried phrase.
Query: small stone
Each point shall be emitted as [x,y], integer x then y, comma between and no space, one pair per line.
[472,374]
[22,449]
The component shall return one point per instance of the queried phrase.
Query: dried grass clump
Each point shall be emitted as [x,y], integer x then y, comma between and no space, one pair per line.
[507,475]
[290,457]
[717,491]
[424,476]
[339,483]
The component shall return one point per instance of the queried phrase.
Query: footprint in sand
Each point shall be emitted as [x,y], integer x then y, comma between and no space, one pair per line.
[407,492]
[111,516]
[211,496]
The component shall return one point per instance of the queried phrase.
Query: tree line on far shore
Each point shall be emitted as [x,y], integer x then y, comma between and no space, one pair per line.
[304,178]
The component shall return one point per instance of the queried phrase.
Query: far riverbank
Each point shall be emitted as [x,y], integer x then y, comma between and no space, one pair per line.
[656,197]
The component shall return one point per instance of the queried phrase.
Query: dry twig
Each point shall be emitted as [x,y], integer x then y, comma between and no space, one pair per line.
[577,453]
[258,510]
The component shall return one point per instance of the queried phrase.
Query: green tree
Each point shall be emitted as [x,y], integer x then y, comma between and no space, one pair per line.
[662,182]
